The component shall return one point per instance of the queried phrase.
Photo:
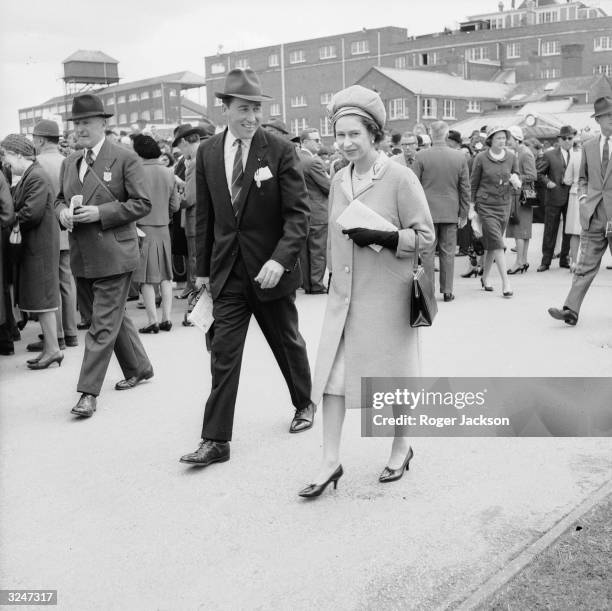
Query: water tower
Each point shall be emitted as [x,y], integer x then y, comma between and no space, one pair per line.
[88,71]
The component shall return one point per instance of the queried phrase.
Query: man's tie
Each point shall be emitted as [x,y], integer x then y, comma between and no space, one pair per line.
[237,174]
[89,161]
[605,157]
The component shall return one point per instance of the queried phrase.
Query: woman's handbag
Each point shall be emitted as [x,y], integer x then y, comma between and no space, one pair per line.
[15,246]
[423,306]
[15,237]
[528,195]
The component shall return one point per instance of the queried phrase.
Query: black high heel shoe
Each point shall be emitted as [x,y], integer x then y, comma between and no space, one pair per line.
[58,357]
[485,287]
[473,272]
[516,270]
[392,475]
[525,267]
[314,490]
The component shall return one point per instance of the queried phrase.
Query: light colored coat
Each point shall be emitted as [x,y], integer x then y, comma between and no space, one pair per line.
[368,300]
[597,189]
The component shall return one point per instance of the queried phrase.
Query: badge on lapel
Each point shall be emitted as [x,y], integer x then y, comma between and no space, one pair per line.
[107,176]
[262,174]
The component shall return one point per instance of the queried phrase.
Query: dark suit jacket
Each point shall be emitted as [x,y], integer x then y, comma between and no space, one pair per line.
[272,222]
[317,185]
[592,184]
[552,167]
[109,246]
[443,173]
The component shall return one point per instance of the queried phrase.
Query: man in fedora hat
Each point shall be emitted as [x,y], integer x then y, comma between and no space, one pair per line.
[187,139]
[252,221]
[551,169]
[595,198]
[102,194]
[46,137]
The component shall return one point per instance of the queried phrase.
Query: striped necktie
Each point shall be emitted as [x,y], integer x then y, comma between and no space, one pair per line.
[605,157]
[87,162]
[237,174]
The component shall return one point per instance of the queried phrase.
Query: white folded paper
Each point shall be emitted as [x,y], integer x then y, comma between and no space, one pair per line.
[202,314]
[76,201]
[357,214]
[140,233]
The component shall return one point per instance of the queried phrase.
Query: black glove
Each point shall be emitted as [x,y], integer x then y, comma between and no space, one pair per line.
[365,237]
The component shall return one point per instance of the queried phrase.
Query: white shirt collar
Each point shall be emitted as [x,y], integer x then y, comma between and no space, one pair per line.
[95,149]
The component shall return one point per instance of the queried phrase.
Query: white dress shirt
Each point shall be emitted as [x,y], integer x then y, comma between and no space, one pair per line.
[95,151]
[229,152]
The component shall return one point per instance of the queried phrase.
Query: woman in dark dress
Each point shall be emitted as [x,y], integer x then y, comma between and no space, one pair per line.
[494,176]
[38,270]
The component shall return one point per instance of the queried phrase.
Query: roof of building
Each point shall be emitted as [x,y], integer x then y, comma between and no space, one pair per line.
[536,91]
[424,82]
[193,107]
[90,56]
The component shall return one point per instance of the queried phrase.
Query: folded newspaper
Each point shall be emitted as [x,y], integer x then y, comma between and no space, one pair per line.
[357,214]
[202,314]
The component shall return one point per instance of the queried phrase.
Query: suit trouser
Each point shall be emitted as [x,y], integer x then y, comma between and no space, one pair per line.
[446,239]
[103,300]
[313,258]
[191,261]
[66,314]
[552,217]
[278,320]
[593,244]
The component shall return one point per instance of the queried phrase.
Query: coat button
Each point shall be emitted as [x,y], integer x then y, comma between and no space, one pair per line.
[347,269]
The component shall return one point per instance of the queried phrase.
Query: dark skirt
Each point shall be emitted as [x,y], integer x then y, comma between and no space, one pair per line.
[522,229]
[38,283]
[494,218]
[155,256]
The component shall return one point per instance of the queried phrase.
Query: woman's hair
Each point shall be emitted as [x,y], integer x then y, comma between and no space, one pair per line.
[145,146]
[169,157]
[378,135]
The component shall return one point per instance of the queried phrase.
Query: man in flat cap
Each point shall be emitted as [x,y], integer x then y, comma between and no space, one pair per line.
[46,137]
[595,205]
[101,196]
[251,222]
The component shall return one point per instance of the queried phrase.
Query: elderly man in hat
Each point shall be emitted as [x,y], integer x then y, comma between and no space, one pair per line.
[252,222]
[102,194]
[551,169]
[46,137]
[187,139]
[595,200]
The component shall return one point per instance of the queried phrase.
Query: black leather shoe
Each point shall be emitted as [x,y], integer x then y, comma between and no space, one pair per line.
[566,315]
[564,263]
[303,419]
[448,296]
[154,328]
[85,407]
[165,325]
[207,453]
[134,380]
[543,268]
[391,475]
[71,341]
[314,490]
[82,326]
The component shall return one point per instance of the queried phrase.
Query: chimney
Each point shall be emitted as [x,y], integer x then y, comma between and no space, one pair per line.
[571,60]
[531,14]
[500,6]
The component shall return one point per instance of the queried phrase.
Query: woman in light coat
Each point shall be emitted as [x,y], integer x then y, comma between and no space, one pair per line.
[572,221]
[366,330]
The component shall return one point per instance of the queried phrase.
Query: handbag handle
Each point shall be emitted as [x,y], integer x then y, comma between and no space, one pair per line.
[415,263]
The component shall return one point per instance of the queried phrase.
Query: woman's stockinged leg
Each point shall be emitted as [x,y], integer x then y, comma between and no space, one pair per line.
[334,411]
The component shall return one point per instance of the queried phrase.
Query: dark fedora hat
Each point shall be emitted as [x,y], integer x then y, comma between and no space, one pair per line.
[567,131]
[602,106]
[88,105]
[244,84]
[182,131]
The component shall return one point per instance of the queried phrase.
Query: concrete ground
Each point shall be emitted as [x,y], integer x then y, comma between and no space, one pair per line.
[102,510]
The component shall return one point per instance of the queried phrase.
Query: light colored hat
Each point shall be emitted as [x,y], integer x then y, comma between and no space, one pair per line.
[493,130]
[357,100]
[516,132]
[18,143]
[46,128]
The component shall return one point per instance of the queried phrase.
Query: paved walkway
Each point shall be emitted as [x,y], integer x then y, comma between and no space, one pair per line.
[102,511]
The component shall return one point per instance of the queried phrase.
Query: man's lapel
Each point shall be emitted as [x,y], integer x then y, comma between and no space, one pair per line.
[608,170]
[217,163]
[73,175]
[255,160]
[101,162]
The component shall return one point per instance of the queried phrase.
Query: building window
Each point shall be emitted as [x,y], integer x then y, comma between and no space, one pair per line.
[449,109]
[157,93]
[398,109]
[326,127]
[360,47]
[218,101]
[23,115]
[30,114]
[298,125]
[273,60]
[144,95]
[400,62]
[474,106]
[217,68]
[513,50]
[429,108]
[275,110]
[429,59]
[602,43]
[327,52]
[297,57]
[172,93]
[477,54]
[326,98]
[548,16]
[122,119]
[242,62]
[550,47]
[62,108]
[145,115]
[133,97]
[298,100]
[605,69]
[121,99]
[133,117]
[158,114]
[550,73]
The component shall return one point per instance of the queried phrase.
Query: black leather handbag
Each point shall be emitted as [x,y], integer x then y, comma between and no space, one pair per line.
[423,306]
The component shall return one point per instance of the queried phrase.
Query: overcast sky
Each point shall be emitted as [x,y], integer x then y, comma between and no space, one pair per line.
[161,36]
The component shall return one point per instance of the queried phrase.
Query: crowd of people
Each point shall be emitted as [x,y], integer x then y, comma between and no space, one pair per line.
[102,217]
